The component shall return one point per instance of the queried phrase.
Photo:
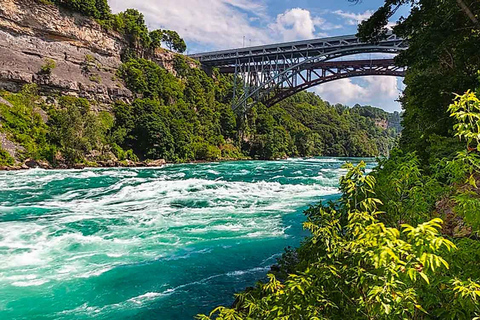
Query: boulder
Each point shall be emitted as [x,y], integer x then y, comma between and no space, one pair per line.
[62,166]
[30,163]
[157,163]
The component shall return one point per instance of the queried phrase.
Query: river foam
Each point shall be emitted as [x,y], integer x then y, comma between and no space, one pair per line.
[65,228]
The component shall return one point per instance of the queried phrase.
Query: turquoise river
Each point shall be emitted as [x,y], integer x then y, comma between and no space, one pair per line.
[157,243]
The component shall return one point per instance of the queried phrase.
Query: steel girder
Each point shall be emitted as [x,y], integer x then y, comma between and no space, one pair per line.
[308,76]
[273,72]
[298,49]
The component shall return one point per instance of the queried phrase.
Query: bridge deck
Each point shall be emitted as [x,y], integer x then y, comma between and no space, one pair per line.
[297,49]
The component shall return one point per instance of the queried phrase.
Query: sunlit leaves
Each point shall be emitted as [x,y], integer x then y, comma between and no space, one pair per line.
[466,110]
[353,265]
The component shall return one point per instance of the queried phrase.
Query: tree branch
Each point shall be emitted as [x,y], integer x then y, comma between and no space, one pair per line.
[469,13]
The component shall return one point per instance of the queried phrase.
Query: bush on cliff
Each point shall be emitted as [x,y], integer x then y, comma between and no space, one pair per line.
[5,158]
[76,130]
[98,9]
[22,123]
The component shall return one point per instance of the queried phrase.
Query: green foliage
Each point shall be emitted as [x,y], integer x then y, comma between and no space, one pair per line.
[408,195]
[354,266]
[205,151]
[443,58]
[170,38]
[75,129]
[132,23]
[47,67]
[23,124]
[294,128]
[122,154]
[178,119]
[313,127]
[98,9]
[5,158]
[156,37]
[465,167]
[148,79]
[466,111]
[173,41]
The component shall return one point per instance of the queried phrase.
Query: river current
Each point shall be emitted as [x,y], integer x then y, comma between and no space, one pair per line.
[149,243]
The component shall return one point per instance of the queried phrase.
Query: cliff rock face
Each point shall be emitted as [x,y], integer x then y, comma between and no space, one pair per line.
[86,56]
[381,123]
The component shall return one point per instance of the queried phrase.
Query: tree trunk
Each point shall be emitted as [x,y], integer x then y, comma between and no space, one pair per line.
[469,13]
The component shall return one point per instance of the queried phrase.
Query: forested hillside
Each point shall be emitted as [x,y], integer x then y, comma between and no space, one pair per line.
[178,115]
[403,241]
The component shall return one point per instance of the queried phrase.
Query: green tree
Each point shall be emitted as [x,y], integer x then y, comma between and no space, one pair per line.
[75,129]
[173,41]
[443,58]
[353,266]
[132,23]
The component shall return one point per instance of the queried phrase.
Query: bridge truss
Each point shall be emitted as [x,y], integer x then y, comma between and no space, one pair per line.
[272,73]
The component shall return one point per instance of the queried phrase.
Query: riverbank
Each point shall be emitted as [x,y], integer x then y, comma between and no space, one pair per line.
[43,164]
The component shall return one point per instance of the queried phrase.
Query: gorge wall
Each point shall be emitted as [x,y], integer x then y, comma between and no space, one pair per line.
[86,55]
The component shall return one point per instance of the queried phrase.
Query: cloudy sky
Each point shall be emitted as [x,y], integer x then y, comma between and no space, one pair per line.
[222,24]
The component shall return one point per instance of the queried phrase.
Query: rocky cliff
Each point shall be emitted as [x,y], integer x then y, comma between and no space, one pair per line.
[85,55]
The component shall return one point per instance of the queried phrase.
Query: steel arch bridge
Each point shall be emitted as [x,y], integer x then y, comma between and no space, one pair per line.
[274,72]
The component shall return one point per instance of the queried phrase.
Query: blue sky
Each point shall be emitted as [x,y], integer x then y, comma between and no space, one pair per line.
[221,24]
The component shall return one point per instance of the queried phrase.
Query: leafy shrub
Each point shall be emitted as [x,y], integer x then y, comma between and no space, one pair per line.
[5,158]
[24,125]
[408,195]
[47,67]
[353,266]
[205,151]
[147,78]
[98,9]
[75,129]
[122,154]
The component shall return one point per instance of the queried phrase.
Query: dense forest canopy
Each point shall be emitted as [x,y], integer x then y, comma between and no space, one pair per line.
[443,59]
[190,118]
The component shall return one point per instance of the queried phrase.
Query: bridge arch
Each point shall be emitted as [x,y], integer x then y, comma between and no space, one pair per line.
[272,73]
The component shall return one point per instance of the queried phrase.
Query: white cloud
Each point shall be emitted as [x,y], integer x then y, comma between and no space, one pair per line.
[222,24]
[353,19]
[254,7]
[214,23]
[296,24]
[381,91]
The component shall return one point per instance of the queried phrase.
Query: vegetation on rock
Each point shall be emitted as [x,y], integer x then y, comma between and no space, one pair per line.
[130,23]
